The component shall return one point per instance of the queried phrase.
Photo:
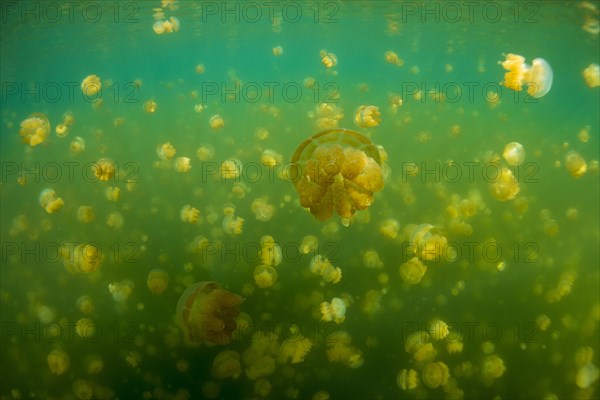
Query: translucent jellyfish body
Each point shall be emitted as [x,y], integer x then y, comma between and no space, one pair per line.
[367,116]
[104,169]
[205,314]
[77,145]
[505,186]
[537,78]
[231,168]
[85,214]
[121,291]
[263,211]
[309,243]
[407,379]
[265,276]
[591,75]
[182,164]
[294,349]
[492,368]
[270,251]
[334,311]
[83,258]
[49,201]
[158,281]
[336,170]
[216,122]
[435,374]
[91,85]
[226,364]
[427,242]
[58,362]
[340,350]
[322,266]
[35,129]
[189,214]
[514,153]
[575,164]
[165,151]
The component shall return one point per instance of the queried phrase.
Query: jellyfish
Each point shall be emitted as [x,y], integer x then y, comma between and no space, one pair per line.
[104,169]
[389,228]
[61,130]
[158,281]
[435,374]
[392,58]
[85,328]
[189,214]
[587,375]
[371,259]
[231,168]
[334,311]
[182,164]
[115,220]
[277,51]
[294,349]
[233,225]
[407,379]
[77,145]
[329,60]
[439,329]
[367,116]
[265,276]
[591,75]
[35,129]
[514,153]
[91,85]
[85,214]
[537,77]
[121,291]
[270,251]
[492,368]
[336,170]
[205,314]
[412,271]
[226,364]
[340,350]
[262,210]
[309,243]
[85,304]
[112,193]
[505,186]
[575,164]
[270,158]
[166,151]
[49,201]
[58,362]
[205,152]
[216,122]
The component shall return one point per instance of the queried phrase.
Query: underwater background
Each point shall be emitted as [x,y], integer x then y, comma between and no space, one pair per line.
[147,146]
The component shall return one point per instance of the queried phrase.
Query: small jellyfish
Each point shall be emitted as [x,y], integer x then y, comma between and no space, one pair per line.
[77,145]
[68,118]
[439,330]
[371,259]
[226,364]
[231,168]
[86,328]
[270,251]
[158,281]
[182,164]
[85,304]
[115,220]
[331,274]
[61,130]
[121,291]
[49,201]
[367,116]
[309,244]
[492,368]
[85,214]
[270,158]
[277,51]
[200,68]
[265,276]
[112,193]
[216,122]
[94,364]
[150,107]
[261,134]
[329,60]
[389,228]
[262,210]
[587,375]
[228,209]
[91,85]
[334,311]
[575,164]
[505,186]
[35,129]
[435,374]
[205,152]
[205,314]
[514,153]
[294,349]
[166,151]
[104,169]
[392,58]
[233,225]
[537,77]
[189,214]
[58,362]
[407,379]
[412,271]
[591,75]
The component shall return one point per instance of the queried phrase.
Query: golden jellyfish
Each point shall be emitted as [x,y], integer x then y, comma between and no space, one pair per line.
[263,211]
[492,368]
[216,122]
[371,259]
[231,168]
[200,68]
[115,220]
[85,214]
[35,129]
[77,145]
[58,362]
[112,193]
[61,130]
[389,228]
[537,77]
[85,304]
[277,51]
[233,225]
[591,75]
[587,375]
[121,290]
[150,106]
[261,133]
[86,328]
[158,281]
[94,364]
[294,349]
[514,153]
[182,164]
[334,311]
[189,214]
[309,244]
[505,186]
[166,151]
[412,271]
[270,158]
[392,58]
[68,118]
[439,329]
[49,201]
[340,350]
[205,314]
[329,60]
[435,374]
[336,170]
[226,364]
[104,169]
[407,379]
[205,152]
[91,85]
[575,164]
[270,251]
[367,116]
[265,276]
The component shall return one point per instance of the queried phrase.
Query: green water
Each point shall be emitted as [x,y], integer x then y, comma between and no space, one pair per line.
[510,262]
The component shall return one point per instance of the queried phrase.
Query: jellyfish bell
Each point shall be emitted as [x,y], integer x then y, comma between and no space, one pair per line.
[205,314]
[540,78]
[336,170]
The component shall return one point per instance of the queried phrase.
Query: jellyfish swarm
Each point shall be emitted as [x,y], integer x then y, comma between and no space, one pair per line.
[336,170]
[205,314]
[537,77]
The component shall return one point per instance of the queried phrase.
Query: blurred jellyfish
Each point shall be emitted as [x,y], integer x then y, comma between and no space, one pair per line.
[58,362]
[85,214]
[182,164]
[505,186]
[216,122]
[270,251]
[412,271]
[49,201]
[166,151]
[591,75]
[514,153]
[492,368]
[329,60]
[371,259]
[91,85]
[115,220]
[265,276]
[294,349]
[189,214]
[158,281]
[367,116]
[112,193]
[231,168]
[270,158]
[334,311]
[226,365]
[85,304]
[77,145]
[392,58]
[587,375]
[104,169]
[575,164]
[205,152]
[439,329]
[61,130]
[309,244]
[435,374]
[233,225]
[262,210]
[121,291]
[407,379]
[389,228]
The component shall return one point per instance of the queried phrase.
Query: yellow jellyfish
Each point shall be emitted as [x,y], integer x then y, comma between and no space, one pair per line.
[294,349]
[205,314]
[121,290]
[575,164]
[112,193]
[189,214]
[371,259]
[514,153]
[329,60]
[216,122]
[262,210]
[389,228]
[270,158]
[334,311]
[336,170]
[226,364]
[68,118]
[277,51]
[61,130]
[58,362]
[150,106]
[261,133]
[233,225]
[270,251]
[77,145]
[91,85]
[591,75]
[166,151]
[49,201]
[492,368]
[200,68]
[543,322]
[231,168]
[265,276]
[505,186]
[407,379]
[85,214]
[104,169]
[35,129]
[340,350]
[86,328]
[94,364]
[205,152]
[439,329]
[367,116]
[392,58]
[115,220]
[412,271]
[182,164]
[309,244]
[587,375]
[85,304]
[435,374]
[537,77]
[158,281]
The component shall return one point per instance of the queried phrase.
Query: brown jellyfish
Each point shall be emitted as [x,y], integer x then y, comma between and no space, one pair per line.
[205,314]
